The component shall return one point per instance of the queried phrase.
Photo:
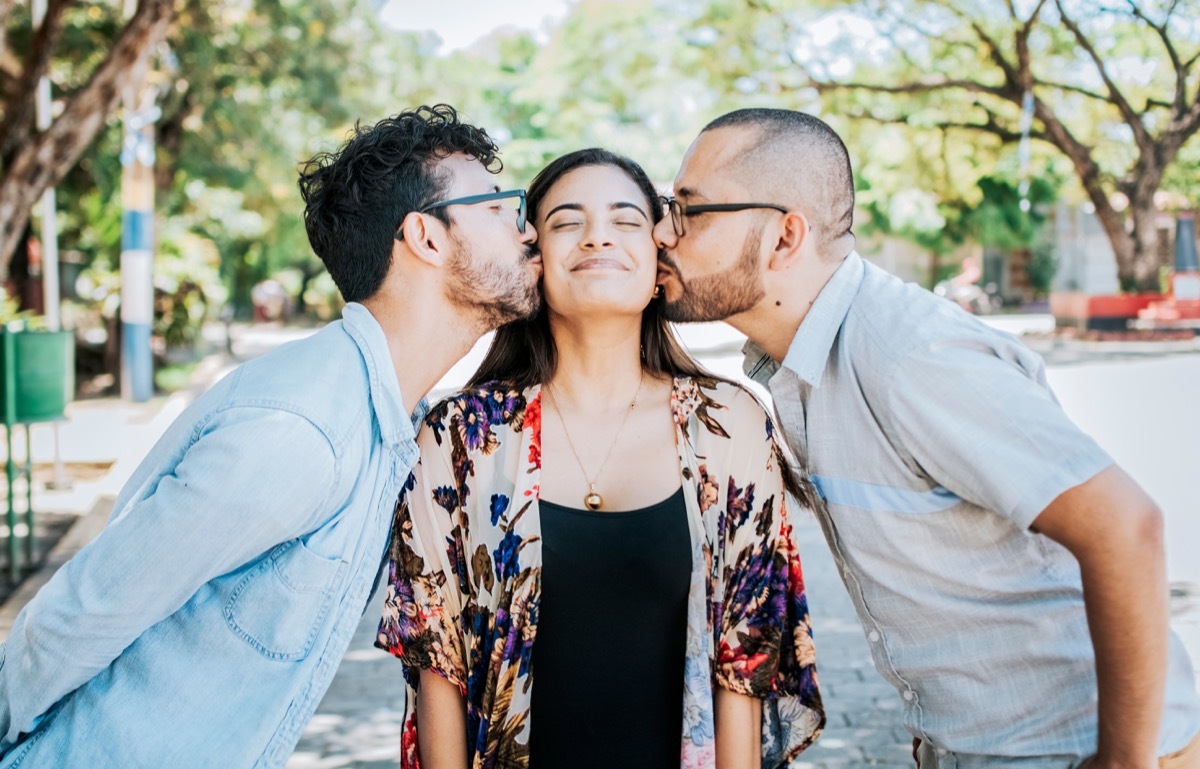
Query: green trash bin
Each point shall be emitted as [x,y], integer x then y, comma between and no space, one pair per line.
[44,381]
[37,381]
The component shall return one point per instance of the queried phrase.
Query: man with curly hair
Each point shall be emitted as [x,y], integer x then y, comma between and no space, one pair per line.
[203,625]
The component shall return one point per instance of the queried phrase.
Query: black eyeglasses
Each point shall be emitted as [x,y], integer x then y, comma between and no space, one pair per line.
[679,211]
[473,199]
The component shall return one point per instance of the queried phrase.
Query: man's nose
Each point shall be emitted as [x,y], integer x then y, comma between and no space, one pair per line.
[664,234]
[530,235]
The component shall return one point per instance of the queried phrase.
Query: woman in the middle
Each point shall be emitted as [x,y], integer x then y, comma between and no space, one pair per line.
[592,565]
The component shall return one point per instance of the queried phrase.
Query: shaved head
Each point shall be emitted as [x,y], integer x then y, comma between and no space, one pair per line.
[794,159]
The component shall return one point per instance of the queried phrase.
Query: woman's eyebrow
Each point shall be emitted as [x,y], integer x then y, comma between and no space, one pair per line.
[626,204]
[621,204]
[564,207]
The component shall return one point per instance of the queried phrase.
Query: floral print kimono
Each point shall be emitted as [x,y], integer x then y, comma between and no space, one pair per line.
[465,574]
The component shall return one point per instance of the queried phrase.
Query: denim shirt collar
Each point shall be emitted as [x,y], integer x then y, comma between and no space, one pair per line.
[396,426]
[809,351]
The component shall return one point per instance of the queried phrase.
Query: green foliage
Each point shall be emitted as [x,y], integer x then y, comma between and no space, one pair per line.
[1043,264]
[252,87]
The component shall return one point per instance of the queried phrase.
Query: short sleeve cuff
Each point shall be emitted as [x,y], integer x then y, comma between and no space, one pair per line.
[1044,491]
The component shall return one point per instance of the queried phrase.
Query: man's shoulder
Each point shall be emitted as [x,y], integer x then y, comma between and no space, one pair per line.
[891,322]
[322,378]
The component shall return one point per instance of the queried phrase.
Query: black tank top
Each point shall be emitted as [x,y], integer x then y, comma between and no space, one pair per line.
[611,638]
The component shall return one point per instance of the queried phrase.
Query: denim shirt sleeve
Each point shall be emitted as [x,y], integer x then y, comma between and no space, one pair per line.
[253,478]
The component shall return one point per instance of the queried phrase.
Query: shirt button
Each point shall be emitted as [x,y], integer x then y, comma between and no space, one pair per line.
[941,751]
[873,636]
[908,695]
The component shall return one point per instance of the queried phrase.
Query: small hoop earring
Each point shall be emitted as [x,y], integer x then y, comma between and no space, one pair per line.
[658,291]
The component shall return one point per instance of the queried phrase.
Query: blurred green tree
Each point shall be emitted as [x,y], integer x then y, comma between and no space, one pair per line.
[1112,87]
[33,160]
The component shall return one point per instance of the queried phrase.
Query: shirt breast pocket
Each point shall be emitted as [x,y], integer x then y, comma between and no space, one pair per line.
[280,605]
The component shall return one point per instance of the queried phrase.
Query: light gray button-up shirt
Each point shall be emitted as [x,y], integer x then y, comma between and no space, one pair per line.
[935,442]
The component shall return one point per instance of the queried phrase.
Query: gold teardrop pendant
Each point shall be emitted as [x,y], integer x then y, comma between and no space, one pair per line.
[593,501]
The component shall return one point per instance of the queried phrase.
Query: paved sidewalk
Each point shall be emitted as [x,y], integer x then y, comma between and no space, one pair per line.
[358,723]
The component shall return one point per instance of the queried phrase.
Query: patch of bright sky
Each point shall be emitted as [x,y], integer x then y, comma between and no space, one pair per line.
[459,23]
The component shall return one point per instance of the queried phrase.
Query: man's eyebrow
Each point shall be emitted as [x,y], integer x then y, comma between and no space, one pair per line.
[626,204]
[688,192]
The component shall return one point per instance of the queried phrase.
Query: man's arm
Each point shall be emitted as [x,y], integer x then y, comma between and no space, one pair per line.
[1115,531]
[253,479]
[441,722]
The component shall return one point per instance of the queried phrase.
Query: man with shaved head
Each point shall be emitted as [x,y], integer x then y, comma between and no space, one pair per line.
[1010,578]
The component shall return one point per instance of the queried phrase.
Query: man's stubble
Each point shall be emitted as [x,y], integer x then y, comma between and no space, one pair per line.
[726,293]
[498,292]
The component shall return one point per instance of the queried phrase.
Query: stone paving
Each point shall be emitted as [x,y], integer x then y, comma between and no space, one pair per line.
[358,722]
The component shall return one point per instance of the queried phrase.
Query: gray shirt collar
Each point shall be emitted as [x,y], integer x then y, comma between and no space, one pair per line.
[809,351]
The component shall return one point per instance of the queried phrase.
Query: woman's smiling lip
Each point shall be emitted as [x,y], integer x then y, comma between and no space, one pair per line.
[599,263]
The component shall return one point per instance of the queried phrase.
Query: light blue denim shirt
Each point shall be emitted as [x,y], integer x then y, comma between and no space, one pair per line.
[935,442]
[202,626]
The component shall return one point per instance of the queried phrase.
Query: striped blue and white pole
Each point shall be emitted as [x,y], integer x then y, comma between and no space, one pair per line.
[137,255]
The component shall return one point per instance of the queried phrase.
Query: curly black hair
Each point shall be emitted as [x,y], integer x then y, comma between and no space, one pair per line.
[356,198]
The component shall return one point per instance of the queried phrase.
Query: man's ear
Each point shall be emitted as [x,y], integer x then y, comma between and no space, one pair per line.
[789,235]
[425,237]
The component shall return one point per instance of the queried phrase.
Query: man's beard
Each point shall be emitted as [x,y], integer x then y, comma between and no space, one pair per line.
[496,292]
[716,297]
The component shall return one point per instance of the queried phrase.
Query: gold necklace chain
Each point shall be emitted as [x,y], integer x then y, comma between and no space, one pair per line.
[592,500]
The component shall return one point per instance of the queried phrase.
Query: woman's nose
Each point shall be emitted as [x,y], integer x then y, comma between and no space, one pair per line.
[597,236]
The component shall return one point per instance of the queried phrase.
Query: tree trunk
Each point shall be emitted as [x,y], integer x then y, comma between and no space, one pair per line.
[41,162]
[1141,271]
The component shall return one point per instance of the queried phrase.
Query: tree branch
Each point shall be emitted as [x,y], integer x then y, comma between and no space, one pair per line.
[1141,136]
[992,125]
[1010,73]
[1181,67]
[43,160]
[915,87]
[22,101]
[1071,89]
[1034,16]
